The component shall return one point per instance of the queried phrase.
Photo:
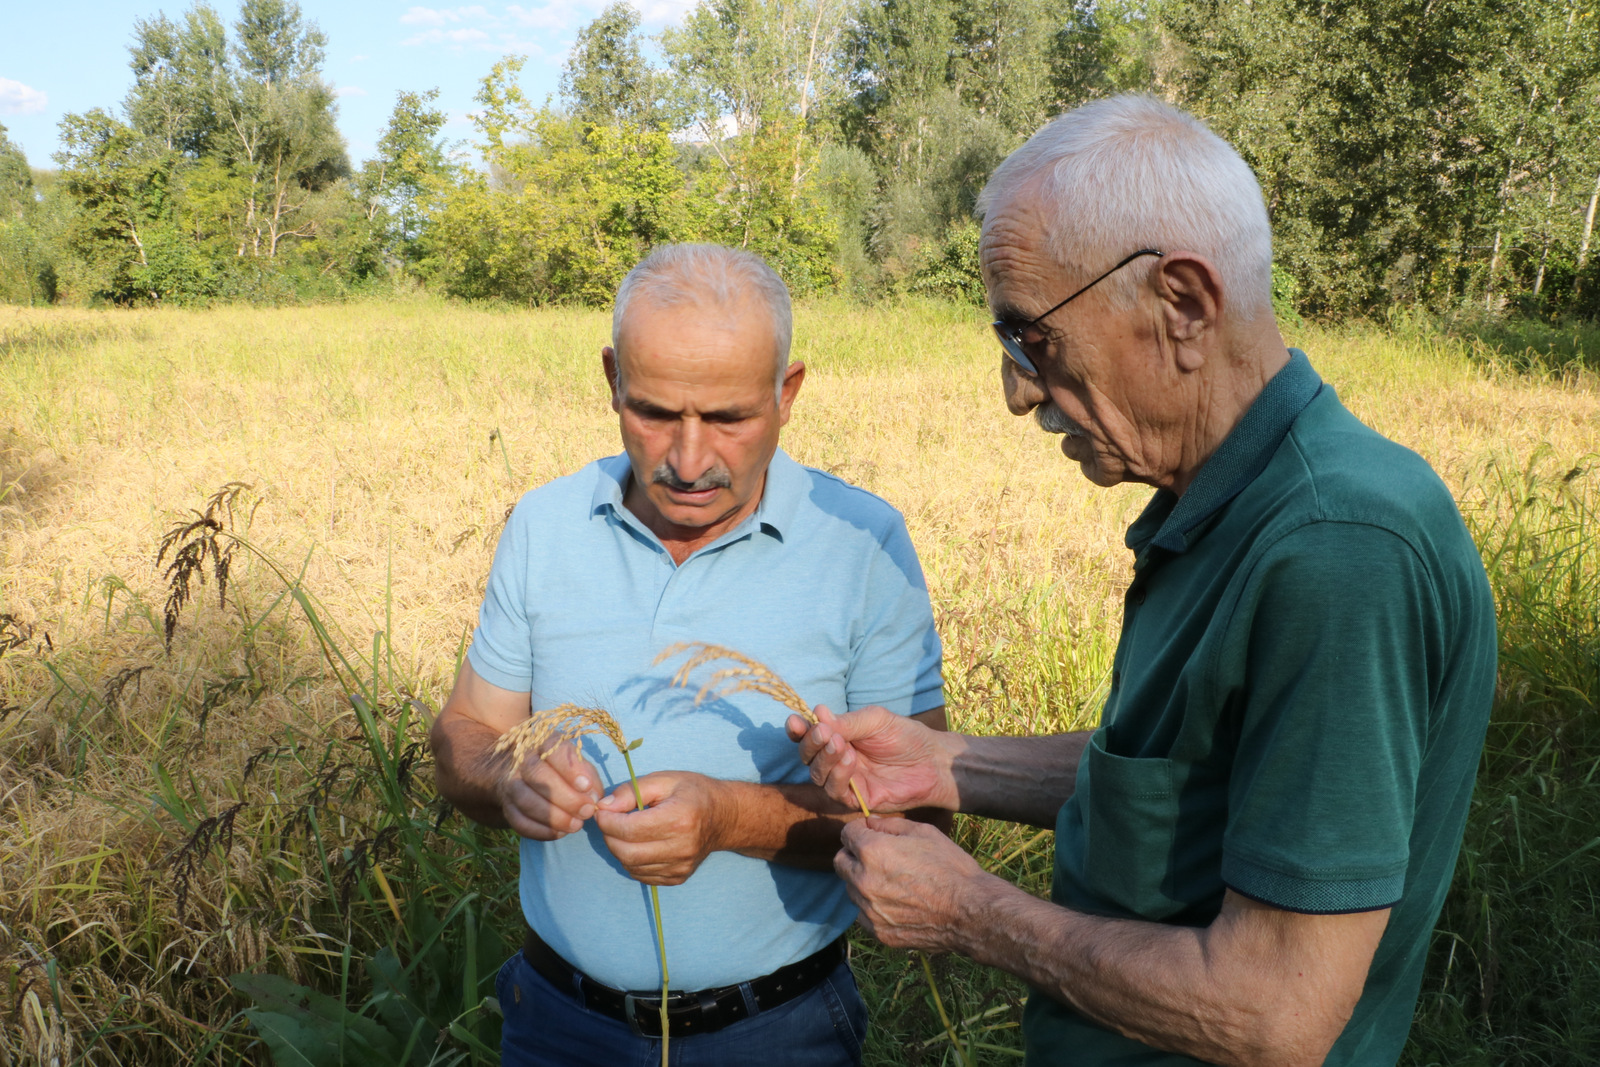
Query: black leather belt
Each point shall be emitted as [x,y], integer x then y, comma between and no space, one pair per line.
[699,1012]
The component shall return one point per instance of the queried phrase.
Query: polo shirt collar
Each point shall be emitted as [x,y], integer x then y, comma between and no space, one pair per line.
[1242,456]
[786,486]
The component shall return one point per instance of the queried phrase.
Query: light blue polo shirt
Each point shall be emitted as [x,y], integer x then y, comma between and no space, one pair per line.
[820,583]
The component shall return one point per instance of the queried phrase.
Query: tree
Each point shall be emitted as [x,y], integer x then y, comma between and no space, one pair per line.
[606,80]
[564,208]
[394,187]
[26,271]
[122,191]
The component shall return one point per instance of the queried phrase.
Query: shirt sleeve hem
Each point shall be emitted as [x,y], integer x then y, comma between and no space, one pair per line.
[517,683]
[1309,895]
[899,703]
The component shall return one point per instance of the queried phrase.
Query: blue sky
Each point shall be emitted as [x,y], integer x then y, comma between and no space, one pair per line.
[60,56]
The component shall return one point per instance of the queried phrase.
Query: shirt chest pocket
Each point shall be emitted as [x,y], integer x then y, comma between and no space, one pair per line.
[1129,822]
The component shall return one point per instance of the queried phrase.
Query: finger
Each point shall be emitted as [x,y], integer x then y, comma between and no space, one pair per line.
[621,799]
[815,739]
[661,822]
[797,728]
[900,826]
[566,761]
[529,816]
[549,801]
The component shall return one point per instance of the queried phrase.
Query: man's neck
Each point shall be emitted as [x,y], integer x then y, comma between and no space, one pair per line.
[681,542]
[1226,396]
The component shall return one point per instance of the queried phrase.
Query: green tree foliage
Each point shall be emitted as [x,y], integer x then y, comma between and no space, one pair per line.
[27,268]
[226,156]
[1437,154]
[563,208]
[395,186]
[606,81]
[1405,147]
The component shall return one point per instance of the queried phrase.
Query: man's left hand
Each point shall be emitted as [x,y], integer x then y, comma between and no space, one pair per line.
[679,827]
[912,883]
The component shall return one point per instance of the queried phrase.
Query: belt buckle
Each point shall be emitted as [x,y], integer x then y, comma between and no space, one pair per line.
[630,1005]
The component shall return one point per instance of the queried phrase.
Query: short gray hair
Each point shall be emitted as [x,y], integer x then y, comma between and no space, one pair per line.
[1133,172]
[705,275]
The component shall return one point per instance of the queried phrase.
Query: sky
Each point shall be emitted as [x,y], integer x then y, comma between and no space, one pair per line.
[61,56]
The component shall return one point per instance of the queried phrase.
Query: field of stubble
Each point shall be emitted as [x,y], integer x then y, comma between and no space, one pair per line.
[252,798]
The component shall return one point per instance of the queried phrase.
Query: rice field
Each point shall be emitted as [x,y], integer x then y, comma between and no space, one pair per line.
[245,793]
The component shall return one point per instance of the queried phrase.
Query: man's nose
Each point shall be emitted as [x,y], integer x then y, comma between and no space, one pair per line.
[691,455]
[1023,393]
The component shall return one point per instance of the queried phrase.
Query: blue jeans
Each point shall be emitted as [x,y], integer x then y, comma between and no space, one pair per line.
[548,1027]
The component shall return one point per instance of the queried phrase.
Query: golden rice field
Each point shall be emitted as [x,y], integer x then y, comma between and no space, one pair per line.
[379,447]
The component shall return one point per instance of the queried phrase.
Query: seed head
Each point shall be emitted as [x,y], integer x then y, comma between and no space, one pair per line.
[747,675]
[543,730]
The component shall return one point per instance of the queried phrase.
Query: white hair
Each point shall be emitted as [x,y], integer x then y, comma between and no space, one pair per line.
[705,275]
[1132,172]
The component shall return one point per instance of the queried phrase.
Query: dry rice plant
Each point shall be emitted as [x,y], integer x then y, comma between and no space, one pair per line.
[543,730]
[539,734]
[749,676]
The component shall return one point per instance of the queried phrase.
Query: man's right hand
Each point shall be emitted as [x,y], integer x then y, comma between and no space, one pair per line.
[549,798]
[896,762]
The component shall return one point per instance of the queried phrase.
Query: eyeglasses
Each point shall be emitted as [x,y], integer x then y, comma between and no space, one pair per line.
[1011,336]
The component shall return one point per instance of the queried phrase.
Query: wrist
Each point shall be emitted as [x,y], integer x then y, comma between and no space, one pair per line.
[722,815]
[977,903]
[946,748]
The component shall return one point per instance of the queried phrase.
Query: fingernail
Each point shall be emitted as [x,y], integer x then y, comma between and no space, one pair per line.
[581,782]
[586,811]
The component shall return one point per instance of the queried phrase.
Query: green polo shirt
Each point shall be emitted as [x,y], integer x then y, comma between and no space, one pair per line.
[1298,700]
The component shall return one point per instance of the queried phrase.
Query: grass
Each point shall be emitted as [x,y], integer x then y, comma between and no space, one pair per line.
[255,798]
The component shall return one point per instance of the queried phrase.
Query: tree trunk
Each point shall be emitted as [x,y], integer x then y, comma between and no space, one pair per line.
[1588,225]
[1544,254]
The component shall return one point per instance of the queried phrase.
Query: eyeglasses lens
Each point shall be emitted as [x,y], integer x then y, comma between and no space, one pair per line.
[1012,345]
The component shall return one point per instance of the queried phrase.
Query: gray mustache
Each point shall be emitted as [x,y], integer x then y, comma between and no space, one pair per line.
[1052,419]
[715,478]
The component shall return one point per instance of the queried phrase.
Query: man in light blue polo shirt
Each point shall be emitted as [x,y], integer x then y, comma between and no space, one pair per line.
[702,531]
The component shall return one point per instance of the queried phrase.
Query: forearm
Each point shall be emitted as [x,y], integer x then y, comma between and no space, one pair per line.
[1019,779]
[796,825]
[467,770]
[1177,988]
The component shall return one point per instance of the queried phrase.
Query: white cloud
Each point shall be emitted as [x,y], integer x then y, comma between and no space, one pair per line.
[472,36]
[19,99]
[349,90]
[359,59]
[662,12]
[552,16]
[431,16]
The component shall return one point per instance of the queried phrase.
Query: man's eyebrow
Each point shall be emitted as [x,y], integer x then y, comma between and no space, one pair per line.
[645,407]
[1010,314]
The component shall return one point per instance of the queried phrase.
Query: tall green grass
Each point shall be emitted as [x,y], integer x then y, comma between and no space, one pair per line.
[1514,972]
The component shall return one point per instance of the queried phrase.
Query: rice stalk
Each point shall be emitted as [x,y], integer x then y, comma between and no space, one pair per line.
[539,734]
[752,676]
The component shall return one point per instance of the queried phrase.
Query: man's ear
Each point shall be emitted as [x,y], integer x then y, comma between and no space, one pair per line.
[1192,299]
[608,361]
[793,378]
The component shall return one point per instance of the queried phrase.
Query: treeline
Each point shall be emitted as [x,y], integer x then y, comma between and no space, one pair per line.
[1442,154]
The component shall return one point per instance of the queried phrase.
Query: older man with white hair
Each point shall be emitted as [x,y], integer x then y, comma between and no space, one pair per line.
[703,530]
[1252,849]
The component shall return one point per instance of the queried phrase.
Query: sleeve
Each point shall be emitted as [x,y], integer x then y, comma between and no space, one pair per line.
[896,659]
[1333,720]
[501,645]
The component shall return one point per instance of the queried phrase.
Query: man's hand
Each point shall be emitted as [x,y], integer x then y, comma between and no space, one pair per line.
[896,762]
[911,882]
[682,823]
[550,798]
